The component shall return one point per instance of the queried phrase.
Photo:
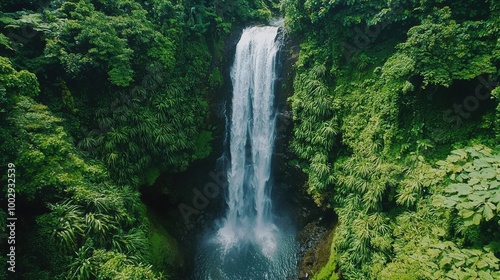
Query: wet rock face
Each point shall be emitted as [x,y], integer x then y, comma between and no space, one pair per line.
[283,90]
[315,225]
[315,241]
[310,236]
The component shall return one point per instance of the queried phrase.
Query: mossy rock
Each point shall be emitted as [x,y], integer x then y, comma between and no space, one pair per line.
[164,251]
[320,261]
[327,250]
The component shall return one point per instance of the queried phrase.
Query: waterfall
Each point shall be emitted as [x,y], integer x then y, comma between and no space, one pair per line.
[251,241]
[248,216]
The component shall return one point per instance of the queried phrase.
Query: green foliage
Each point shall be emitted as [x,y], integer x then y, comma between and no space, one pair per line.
[5,42]
[44,149]
[103,39]
[158,118]
[13,84]
[146,66]
[128,82]
[159,125]
[418,179]
[67,98]
[315,125]
[445,50]
[363,71]
[87,213]
[434,259]
[476,191]
[496,94]
[149,176]
[92,212]
[203,147]
[101,264]
[163,248]
[423,248]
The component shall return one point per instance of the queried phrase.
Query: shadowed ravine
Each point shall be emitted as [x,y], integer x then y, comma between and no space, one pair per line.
[250,241]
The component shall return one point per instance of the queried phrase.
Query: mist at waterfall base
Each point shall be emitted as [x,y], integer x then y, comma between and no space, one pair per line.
[252,241]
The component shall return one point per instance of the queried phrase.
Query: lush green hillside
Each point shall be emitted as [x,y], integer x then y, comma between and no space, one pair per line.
[395,124]
[97,99]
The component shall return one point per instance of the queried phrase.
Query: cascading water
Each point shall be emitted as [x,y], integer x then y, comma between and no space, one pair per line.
[251,141]
[251,242]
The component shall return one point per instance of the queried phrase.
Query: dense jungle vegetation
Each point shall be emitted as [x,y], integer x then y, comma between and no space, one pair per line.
[98,98]
[396,124]
[395,121]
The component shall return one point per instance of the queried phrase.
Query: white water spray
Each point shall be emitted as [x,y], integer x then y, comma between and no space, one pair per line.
[248,217]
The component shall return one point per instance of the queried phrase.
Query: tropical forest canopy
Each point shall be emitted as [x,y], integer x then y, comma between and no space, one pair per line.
[98,98]
[395,123]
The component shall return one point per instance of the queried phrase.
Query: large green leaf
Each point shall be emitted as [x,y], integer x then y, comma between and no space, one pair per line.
[450,202]
[460,153]
[484,275]
[473,181]
[488,211]
[488,173]
[453,158]
[444,261]
[494,184]
[495,197]
[476,219]
[461,189]
[442,163]
[476,198]
[481,163]
[466,213]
